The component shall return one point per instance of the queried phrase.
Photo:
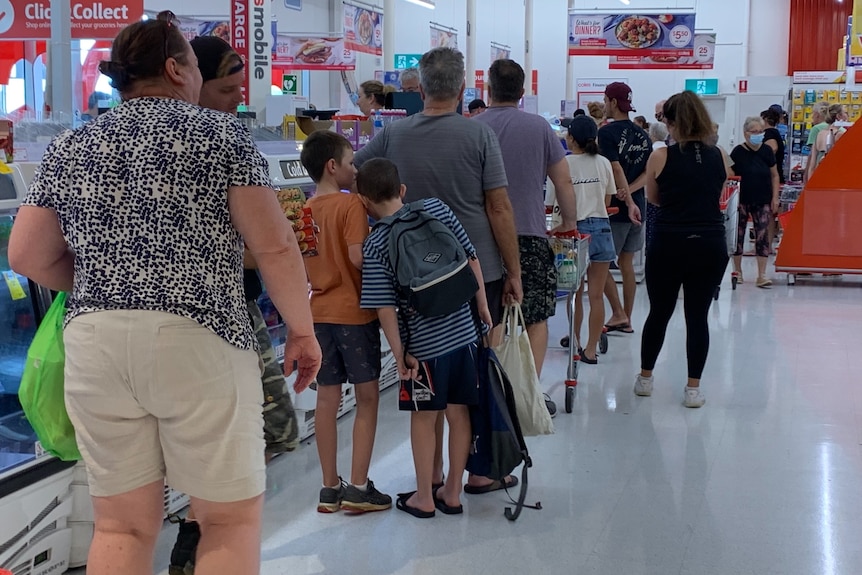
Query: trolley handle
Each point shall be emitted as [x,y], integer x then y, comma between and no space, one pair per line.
[571,234]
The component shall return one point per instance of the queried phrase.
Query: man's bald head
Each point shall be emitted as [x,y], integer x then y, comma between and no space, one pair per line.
[659,110]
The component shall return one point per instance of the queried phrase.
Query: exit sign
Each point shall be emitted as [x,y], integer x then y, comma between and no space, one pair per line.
[703,86]
[404,61]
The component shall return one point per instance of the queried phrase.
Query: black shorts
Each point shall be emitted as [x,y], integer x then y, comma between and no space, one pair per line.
[538,279]
[449,379]
[351,353]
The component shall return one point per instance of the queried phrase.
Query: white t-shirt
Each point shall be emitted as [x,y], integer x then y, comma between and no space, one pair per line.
[593,180]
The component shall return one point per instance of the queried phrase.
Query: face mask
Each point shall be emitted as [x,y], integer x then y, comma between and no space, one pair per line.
[756,139]
[354,97]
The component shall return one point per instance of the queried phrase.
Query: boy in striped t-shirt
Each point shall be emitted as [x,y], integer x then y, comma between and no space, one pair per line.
[438,371]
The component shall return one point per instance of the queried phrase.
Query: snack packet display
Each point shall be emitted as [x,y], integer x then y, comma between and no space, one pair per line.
[292,202]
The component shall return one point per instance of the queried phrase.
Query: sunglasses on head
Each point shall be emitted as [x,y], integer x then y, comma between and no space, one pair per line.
[171,20]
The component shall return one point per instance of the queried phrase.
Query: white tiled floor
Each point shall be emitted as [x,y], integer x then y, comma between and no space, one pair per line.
[765,479]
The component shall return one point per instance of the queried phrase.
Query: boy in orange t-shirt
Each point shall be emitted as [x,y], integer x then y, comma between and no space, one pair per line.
[349,336]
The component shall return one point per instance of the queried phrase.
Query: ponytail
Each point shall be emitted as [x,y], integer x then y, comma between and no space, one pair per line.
[590,147]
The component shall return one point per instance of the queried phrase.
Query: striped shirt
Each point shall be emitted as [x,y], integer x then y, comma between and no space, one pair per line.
[430,337]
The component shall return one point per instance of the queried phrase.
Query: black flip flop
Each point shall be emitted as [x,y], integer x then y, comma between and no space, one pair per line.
[445,508]
[589,361]
[495,485]
[401,503]
[622,327]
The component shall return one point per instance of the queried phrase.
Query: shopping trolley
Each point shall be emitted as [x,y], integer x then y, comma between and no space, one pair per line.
[729,204]
[571,258]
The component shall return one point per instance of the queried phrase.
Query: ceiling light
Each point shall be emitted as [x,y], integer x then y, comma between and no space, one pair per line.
[424,3]
[627,2]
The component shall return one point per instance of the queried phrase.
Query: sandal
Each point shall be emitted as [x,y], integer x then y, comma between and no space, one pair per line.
[446,508]
[622,327]
[495,485]
[401,503]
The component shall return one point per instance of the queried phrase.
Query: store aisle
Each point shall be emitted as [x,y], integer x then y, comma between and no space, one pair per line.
[763,479]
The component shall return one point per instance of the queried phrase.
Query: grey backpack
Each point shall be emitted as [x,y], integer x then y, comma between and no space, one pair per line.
[431,267]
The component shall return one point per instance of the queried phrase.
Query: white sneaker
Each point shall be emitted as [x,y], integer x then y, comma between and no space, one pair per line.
[693,397]
[643,386]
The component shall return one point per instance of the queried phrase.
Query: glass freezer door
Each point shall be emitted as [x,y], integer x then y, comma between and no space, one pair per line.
[18,321]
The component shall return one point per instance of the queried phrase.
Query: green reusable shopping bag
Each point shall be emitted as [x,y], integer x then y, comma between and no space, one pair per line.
[41,392]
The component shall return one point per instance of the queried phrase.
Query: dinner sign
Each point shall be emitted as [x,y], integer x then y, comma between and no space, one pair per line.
[653,34]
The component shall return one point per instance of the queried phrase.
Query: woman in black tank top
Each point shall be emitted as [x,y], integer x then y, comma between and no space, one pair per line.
[688,248]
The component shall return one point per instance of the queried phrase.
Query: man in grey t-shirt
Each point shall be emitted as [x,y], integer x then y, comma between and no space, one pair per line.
[531,153]
[441,154]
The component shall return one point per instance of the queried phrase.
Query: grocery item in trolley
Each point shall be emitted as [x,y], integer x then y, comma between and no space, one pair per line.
[292,201]
[570,258]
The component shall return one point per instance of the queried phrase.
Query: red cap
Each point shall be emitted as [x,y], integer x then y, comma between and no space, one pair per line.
[620,92]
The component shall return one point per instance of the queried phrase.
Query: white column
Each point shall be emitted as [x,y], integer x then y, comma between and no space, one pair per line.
[528,45]
[570,72]
[389,30]
[470,60]
[58,91]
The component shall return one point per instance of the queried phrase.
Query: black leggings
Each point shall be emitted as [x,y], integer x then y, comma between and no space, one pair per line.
[697,263]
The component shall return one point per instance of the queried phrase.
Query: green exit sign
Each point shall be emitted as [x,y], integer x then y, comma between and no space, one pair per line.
[703,86]
[404,61]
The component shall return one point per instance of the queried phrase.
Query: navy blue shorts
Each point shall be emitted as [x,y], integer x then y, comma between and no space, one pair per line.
[351,353]
[449,379]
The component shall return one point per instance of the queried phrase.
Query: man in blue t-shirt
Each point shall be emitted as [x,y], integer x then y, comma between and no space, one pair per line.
[627,147]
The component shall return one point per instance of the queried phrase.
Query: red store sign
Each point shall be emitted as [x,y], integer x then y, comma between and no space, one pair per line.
[91,19]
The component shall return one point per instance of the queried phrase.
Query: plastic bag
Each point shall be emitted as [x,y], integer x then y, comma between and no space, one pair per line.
[41,392]
[516,357]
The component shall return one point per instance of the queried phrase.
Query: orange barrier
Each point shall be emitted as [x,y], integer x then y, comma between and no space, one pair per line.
[821,232]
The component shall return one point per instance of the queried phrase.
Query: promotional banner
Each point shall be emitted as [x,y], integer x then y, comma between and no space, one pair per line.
[251,25]
[443,38]
[854,57]
[305,53]
[91,19]
[631,34]
[363,30]
[593,89]
[194,27]
[499,52]
[703,58]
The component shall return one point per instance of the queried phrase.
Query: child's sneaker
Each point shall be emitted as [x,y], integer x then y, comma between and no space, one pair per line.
[643,386]
[358,501]
[693,397]
[330,498]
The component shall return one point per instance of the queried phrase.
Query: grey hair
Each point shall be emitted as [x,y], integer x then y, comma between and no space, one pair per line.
[658,132]
[409,74]
[441,73]
[751,121]
[821,108]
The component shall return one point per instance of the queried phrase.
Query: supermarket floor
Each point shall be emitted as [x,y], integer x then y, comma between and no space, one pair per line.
[764,479]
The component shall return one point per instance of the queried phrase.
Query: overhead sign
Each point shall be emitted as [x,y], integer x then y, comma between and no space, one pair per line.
[251,26]
[305,53]
[702,86]
[363,29]
[91,20]
[631,34]
[702,59]
[593,89]
[404,61]
[289,84]
[443,37]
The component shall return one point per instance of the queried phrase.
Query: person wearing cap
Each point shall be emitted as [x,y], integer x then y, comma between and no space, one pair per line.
[592,177]
[223,72]
[476,107]
[531,154]
[628,148]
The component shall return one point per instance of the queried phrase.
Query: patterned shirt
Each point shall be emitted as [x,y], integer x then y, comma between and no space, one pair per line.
[141,196]
[430,337]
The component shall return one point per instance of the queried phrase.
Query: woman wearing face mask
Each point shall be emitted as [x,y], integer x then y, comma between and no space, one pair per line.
[755,164]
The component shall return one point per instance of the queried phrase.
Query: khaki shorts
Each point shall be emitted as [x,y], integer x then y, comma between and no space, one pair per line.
[155,395]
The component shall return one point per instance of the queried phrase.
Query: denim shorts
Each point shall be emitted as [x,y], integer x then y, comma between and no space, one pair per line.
[601,239]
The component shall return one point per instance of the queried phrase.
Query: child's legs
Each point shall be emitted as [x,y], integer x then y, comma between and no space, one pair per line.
[438,449]
[458,417]
[422,440]
[359,345]
[364,429]
[326,432]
